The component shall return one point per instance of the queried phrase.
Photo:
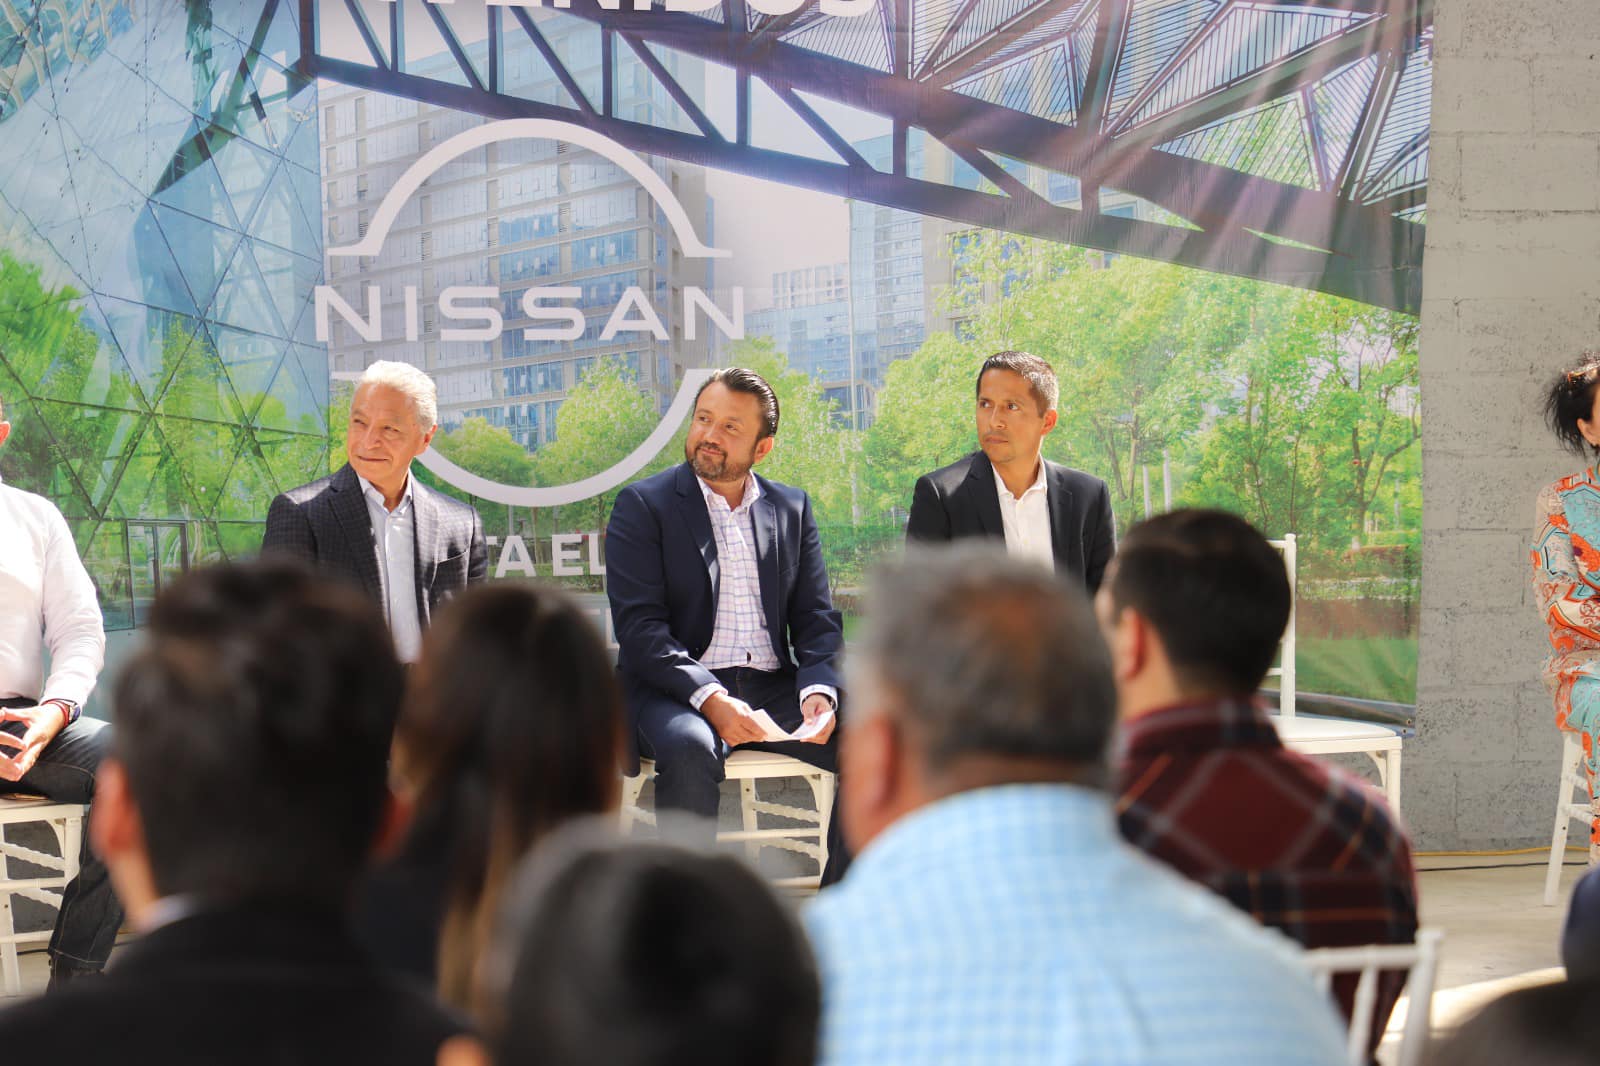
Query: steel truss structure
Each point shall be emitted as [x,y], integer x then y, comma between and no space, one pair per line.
[1283,140]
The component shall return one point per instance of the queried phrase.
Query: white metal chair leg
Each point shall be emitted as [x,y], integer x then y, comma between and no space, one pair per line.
[10,971]
[66,825]
[632,787]
[1571,754]
[822,790]
[1391,780]
[752,820]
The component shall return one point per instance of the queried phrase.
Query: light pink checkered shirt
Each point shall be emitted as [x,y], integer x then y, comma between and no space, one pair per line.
[739,636]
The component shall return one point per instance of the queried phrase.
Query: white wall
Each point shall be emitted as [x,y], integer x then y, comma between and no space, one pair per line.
[1511,290]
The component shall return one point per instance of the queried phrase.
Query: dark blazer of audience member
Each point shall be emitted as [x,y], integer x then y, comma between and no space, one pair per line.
[699,649]
[645,954]
[512,725]
[1007,490]
[244,791]
[372,522]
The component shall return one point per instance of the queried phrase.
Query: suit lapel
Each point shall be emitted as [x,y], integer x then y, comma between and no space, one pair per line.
[764,517]
[425,535]
[984,496]
[1060,503]
[692,506]
[350,506]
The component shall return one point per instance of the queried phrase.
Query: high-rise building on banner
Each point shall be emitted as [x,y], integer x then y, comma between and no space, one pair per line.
[899,275]
[511,216]
[160,243]
[809,322]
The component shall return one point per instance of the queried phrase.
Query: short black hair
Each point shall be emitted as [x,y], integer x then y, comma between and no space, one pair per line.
[1040,375]
[739,379]
[254,729]
[637,953]
[1570,398]
[1213,588]
[987,654]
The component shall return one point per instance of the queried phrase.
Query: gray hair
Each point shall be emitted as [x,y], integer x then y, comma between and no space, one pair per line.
[417,386]
[1040,375]
[982,654]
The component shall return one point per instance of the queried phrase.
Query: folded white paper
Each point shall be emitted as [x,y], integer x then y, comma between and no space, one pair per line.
[772,732]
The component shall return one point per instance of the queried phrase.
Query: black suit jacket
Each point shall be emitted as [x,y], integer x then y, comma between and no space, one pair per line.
[327,524]
[245,986]
[961,500]
[662,578]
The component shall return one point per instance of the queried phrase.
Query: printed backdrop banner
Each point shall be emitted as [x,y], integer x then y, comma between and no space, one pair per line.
[1207,215]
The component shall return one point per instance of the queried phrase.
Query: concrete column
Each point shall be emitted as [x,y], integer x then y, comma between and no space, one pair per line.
[1511,290]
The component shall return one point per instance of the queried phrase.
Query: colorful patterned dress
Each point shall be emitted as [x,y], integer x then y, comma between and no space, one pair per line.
[1566,585]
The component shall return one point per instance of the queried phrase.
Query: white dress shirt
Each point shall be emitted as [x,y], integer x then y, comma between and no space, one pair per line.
[739,635]
[394,535]
[1027,519]
[46,600]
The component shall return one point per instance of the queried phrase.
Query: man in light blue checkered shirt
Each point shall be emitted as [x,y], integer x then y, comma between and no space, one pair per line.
[994,914]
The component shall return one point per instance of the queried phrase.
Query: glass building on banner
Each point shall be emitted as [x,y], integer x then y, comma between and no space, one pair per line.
[511,216]
[160,241]
[891,293]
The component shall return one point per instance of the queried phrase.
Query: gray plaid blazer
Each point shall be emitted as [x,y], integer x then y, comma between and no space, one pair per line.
[326,523]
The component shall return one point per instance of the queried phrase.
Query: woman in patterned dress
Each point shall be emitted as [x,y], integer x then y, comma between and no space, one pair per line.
[1566,569]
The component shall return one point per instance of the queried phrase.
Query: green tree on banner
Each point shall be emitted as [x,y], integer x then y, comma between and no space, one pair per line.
[602,420]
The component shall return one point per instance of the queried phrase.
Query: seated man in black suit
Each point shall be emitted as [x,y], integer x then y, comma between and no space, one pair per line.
[1008,491]
[243,792]
[372,523]
[721,604]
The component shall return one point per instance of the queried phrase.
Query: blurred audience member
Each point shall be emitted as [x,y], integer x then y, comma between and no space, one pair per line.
[993,914]
[646,954]
[1548,1025]
[512,725]
[1193,607]
[243,792]
[1580,936]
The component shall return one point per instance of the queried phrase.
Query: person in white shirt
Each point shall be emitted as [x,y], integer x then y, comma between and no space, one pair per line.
[1007,490]
[47,747]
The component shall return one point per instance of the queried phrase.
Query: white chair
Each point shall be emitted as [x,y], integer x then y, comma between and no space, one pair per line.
[1569,776]
[1421,958]
[1317,735]
[66,819]
[809,837]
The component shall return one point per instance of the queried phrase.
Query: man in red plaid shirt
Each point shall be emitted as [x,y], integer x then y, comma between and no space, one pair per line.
[1193,607]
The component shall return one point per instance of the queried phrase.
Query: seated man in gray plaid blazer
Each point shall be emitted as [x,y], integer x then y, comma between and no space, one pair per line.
[408,546]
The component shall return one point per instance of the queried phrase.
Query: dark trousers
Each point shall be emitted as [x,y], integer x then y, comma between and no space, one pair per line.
[90,915]
[689,753]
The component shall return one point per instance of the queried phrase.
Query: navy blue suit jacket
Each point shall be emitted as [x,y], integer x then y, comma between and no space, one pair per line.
[662,578]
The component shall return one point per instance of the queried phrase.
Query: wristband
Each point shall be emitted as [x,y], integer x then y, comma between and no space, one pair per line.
[69,710]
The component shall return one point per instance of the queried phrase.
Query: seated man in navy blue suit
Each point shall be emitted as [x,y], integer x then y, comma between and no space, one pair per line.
[721,605]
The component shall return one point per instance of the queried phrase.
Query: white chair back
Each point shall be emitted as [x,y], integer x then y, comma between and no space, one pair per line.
[1284,671]
[1420,958]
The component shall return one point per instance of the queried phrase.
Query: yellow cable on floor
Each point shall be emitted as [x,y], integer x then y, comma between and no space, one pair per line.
[1513,851]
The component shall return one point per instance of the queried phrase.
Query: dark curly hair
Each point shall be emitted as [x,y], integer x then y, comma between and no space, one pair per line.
[1571,399]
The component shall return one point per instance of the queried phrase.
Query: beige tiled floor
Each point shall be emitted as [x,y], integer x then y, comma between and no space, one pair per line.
[1498,935]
